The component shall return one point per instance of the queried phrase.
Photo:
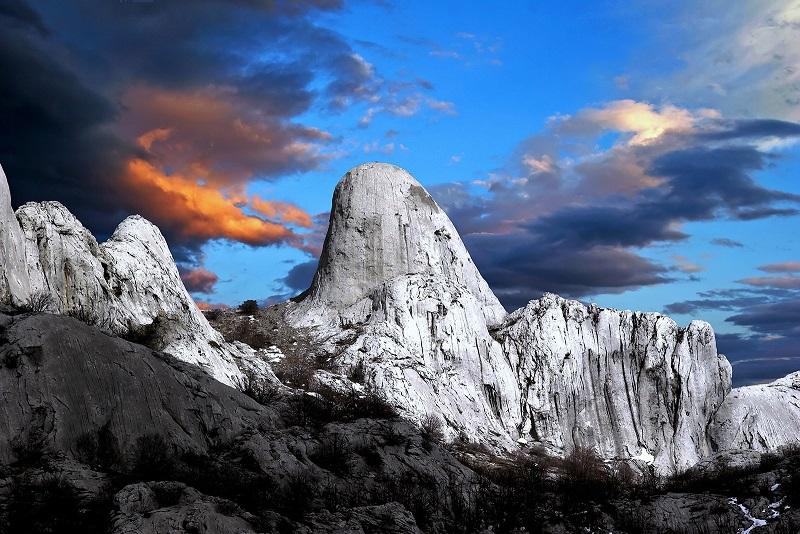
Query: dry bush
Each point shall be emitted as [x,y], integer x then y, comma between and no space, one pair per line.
[248,333]
[584,477]
[38,302]
[248,307]
[326,406]
[261,391]
[432,427]
[333,453]
[295,370]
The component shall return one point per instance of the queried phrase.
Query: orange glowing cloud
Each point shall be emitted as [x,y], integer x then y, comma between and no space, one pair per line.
[201,151]
[198,212]
[215,134]
[208,306]
[283,211]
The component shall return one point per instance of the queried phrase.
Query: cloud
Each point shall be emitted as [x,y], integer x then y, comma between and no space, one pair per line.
[214,134]
[785,282]
[768,346]
[783,267]
[108,120]
[745,51]
[780,318]
[207,306]
[575,217]
[196,213]
[198,280]
[789,281]
[726,242]
[643,121]
[442,106]
[299,277]
[683,264]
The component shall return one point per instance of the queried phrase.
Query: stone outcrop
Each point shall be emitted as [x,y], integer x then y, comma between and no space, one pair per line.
[63,379]
[763,417]
[14,283]
[384,224]
[128,285]
[397,292]
[625,383]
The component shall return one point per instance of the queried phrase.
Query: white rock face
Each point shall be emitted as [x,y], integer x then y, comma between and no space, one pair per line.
[764,417]
[397,290]
[14,283]
[128,285]
[384,224]
[620,382]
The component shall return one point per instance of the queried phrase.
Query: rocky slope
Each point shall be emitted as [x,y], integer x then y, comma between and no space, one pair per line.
[397,293]
[128,285]
[103,435]
[763,417]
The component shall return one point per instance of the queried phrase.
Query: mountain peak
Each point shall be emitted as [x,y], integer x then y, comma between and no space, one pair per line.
[383,225]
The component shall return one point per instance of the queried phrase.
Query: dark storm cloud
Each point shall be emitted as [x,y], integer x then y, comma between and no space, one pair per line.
[529,236]
[520,266]
[299,277]
[54,143]
[753,128]
[89,77]
[18,12]
[780,318]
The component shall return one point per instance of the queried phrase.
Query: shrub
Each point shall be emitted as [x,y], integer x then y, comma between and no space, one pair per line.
[50,504]
[297,496]
[152,458]
[30,447]
[99,449]
[261,391]
[248,307]
[145,334]
[295,370]
[584,477]
[213,315]
[38,302]
[85,314]
[432,427]
[326,406]
[248,333]
[333,454]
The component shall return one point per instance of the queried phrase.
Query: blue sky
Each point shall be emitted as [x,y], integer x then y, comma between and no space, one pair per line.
[638,155]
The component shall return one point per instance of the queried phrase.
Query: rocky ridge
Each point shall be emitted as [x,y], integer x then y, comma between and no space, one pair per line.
[128,285]
[397,293]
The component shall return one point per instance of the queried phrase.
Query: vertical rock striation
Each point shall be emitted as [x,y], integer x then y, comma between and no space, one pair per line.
[384,224]
[624,383]
[14,283]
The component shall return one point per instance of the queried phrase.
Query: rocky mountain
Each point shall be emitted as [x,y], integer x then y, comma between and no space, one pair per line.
[397,293]
[128,285]
[99,434]
[396,298]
